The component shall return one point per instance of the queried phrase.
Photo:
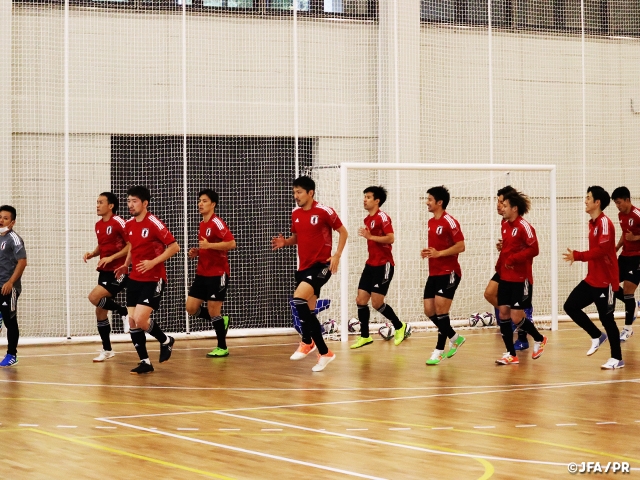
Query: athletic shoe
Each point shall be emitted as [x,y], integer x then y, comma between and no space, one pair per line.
[595,344]
[538,348]
[303,350]
[104,355]
[401,334]
[9,360]
[454,346]
[520,345]
[218,352]
[225,319]
[165,350]
[612,364]
[125,323]
[508,360]
[143,367]
[625,335]
[323,361]
[361,342]
[436,357]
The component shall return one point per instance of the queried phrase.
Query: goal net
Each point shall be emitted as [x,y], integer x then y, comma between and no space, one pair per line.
[473,203]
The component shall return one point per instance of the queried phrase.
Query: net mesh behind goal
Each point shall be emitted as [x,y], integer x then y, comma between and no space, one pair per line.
[473,204]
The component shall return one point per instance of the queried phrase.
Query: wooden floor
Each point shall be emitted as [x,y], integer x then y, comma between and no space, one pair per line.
[377,412]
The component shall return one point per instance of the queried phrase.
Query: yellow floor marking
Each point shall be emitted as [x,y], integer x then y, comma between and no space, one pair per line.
[132,455]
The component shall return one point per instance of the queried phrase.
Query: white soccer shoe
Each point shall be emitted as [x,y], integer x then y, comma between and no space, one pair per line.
[612,364]
[323,361]
[104,355]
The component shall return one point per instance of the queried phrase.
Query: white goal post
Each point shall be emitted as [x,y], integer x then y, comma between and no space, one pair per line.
[347,287]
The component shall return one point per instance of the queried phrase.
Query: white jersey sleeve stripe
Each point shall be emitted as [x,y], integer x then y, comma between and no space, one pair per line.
[636,212]
[218,223]
[383,216]
[527,227]
[451,221]
[329,210]
[119,220]
[16,238]
[156,222]
[605,226]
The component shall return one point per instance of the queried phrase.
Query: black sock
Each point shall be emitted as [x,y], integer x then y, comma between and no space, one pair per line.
[104,329]
[442,338]
[13,333]
[530,328]
[364,314]
[303,314]
[221,333]
[139,342]
[507,335]
[156,332]
[107,303]
[445,323]
[629,309]
[389,314]
[316,334]
[203,313]
[522,335]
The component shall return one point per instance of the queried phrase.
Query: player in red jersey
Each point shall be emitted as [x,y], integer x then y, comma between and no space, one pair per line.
[629,258]
[445,243]
[151,244]
[602,280]
[212,274]
[491,291]
[311,227]
[378,270]
[112,248]
[515,288]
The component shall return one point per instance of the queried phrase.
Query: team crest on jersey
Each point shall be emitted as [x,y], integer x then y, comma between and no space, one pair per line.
[373,223]
[439,230]
[514,232]
[630,222]
[109,229]
[3,245]
[145,232]
[208,232]
[314,219]
[595,231]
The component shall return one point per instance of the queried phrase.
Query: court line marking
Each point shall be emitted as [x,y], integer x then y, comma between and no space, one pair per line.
[391,444]
[336,389]
[606,423]
[131,455]
[370,400]
[243,450]
[525,426]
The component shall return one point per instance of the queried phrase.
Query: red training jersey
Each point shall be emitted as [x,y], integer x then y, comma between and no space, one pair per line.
[379,225]
[313,229]
[499,261]
[444,232]
[111,239]
[213,263]
[630,222]
[519,247]
[602,269]
[148,239]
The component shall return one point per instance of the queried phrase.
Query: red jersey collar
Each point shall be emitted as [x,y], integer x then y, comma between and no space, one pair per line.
[593,221]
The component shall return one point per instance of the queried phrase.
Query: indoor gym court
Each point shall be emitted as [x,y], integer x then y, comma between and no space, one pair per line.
[378,412]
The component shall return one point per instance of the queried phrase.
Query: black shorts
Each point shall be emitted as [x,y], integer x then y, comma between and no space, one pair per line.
[316,276]
[9,303]
[584,295]
[515,295]
[376,279]
[629,269]
[210,289]
[441,286]
[145,293]
[111,284]
[496,277]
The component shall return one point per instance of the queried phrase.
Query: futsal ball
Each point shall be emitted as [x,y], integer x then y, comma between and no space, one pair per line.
[354,325]
[474,319]
[487,319]
[386,331]
[329,327]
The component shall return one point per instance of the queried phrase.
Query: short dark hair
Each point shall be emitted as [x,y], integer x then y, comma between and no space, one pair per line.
[520,200]
[209,192]
[505,190]
[140,192]
[621,193]
[599,193]
[306,183]
[10,209]
[440,193]
[112,200]
[379,193]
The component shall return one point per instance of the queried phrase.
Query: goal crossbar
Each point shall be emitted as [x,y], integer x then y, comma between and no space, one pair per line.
[344,208]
